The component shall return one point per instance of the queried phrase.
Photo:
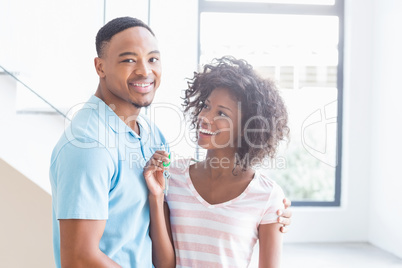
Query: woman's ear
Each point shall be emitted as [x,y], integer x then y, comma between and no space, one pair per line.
[99,67]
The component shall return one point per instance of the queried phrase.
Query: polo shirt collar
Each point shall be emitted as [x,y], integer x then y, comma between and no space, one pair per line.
[115,122]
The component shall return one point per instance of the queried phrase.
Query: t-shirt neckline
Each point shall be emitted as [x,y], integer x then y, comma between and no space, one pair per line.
[223,204]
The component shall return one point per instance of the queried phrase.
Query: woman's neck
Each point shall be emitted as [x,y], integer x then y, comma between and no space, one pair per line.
[219,163]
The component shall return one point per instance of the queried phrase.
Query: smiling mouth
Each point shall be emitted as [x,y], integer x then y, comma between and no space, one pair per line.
[142,88]
[204,131]
[141,84]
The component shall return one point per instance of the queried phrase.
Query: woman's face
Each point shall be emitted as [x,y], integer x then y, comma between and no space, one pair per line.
[219,121]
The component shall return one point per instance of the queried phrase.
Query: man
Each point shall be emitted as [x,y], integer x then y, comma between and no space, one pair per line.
[100,199]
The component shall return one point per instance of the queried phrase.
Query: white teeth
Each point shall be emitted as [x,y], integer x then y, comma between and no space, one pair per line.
[208,132]
[142,85]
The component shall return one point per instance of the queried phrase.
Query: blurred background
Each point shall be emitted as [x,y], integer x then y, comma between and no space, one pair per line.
[336,63]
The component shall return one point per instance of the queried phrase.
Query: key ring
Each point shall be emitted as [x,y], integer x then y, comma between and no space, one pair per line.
[166,164]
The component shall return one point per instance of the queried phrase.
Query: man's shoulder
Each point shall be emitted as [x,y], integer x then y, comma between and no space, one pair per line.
[79,147]
[86,130]
[88,122]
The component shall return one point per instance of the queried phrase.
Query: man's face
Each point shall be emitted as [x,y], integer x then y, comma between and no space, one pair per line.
[131,67]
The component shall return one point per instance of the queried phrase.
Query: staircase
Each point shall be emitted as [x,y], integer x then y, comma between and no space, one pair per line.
[27,139]
[26,143]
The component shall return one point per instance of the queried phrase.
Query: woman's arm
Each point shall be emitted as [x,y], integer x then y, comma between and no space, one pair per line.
[270,245]
[162,245]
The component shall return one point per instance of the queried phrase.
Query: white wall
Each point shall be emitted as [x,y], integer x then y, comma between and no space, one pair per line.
[175,25]
[51,45]
[386,182]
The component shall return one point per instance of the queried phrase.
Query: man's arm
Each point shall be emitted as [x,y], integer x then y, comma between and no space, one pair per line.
[79,244]
[285,215]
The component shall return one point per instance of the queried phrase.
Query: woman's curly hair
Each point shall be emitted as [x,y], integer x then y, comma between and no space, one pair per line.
[262,107]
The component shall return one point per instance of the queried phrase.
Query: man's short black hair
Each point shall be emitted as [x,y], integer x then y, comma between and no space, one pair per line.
[116,26]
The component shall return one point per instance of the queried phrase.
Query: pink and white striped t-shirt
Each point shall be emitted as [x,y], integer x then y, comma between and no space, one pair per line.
[220,235]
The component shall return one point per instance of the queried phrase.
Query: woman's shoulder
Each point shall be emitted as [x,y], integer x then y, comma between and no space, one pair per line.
[264,182]
[180,166]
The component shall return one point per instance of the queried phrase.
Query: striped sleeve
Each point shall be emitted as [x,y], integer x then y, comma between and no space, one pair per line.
[274,203]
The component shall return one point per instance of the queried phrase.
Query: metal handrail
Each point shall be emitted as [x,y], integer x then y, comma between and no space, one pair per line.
[34,92]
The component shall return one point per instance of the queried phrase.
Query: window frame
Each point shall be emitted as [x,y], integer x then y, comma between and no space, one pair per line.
[337,9]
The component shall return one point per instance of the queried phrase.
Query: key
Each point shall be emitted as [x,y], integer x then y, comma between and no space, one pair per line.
[166,175]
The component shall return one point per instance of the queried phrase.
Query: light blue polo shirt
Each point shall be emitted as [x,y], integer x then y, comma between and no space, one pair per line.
[96,173]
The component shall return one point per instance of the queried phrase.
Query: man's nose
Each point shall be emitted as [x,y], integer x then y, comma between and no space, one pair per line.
[142,68]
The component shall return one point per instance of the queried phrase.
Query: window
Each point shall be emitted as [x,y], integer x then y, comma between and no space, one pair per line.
[300,46]
[303,2]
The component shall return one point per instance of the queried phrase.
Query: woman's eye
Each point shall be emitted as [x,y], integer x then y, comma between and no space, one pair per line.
[222,114]
[129,60]
[204,106]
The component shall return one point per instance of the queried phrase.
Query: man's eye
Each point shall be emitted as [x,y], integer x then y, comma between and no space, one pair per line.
[129,60]
[153,59]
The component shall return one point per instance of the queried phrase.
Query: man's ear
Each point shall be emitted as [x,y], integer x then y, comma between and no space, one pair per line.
[99,67]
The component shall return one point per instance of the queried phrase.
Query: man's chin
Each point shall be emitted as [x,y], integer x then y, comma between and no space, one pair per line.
[141,105]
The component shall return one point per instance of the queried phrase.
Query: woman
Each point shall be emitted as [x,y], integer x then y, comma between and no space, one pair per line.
[221,206]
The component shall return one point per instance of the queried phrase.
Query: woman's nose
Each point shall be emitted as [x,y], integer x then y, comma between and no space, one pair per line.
[207,119]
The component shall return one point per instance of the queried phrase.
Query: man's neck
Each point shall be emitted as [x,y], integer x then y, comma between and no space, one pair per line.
[127,112]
